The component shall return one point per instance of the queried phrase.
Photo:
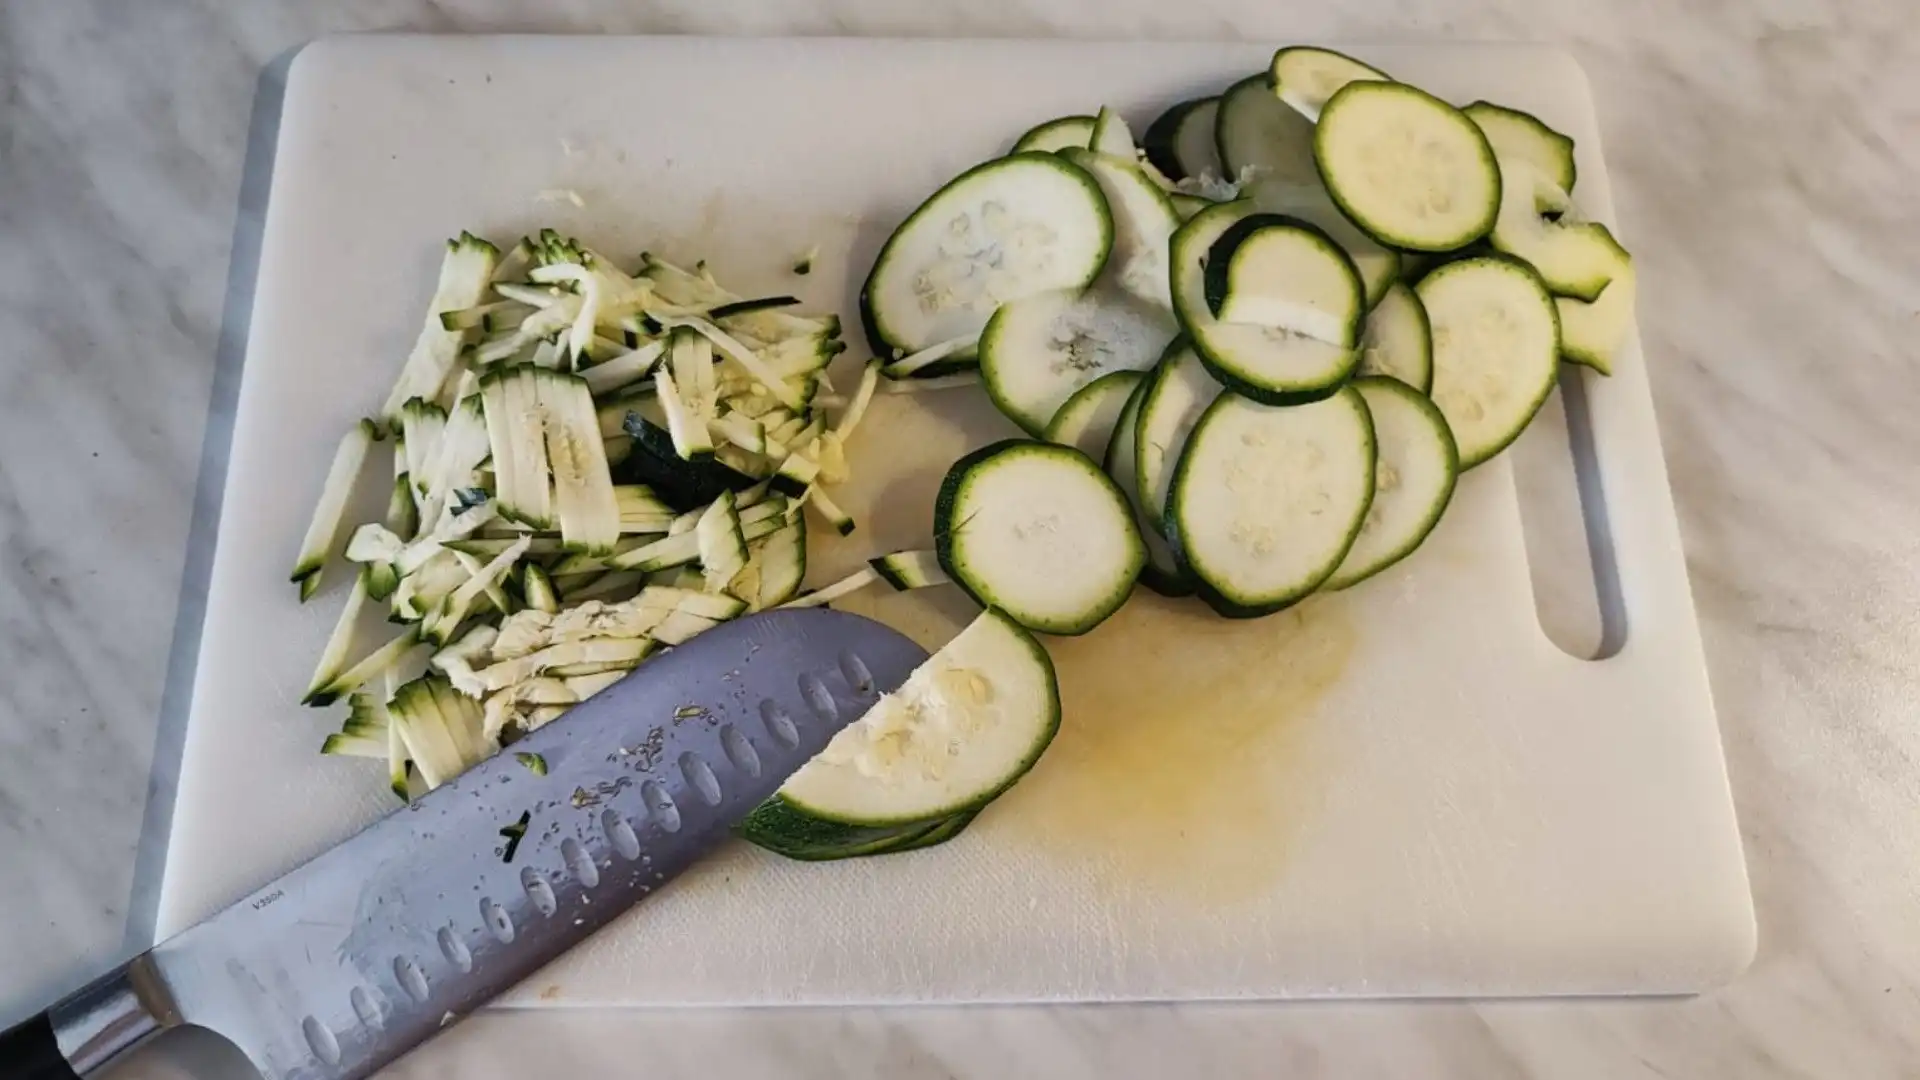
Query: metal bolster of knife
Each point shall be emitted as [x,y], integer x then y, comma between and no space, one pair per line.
[90,1028]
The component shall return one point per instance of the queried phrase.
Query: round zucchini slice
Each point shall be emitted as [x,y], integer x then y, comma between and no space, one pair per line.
[1039,532]
[1268,364]
[1015,226]
[1411,170]
[1305,77]
[1267,499]
[1272,270]
[1496,350]
[1415,465]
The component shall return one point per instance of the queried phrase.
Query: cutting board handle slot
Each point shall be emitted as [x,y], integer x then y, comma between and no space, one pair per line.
[1571,558]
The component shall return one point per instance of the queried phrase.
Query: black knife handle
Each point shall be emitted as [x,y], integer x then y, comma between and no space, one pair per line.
[28,1051]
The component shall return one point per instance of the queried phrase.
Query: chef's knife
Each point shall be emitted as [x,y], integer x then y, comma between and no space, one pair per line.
[347,962]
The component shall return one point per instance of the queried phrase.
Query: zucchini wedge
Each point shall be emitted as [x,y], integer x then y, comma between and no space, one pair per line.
[964,728]
[906,570]
[1522,136]
[1591,334]
[1575,258]
[1144,220]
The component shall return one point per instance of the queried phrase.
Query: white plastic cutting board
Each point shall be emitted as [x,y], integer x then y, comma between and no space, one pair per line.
[1404,790]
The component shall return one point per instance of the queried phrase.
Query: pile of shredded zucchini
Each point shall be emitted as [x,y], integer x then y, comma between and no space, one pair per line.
[588,466]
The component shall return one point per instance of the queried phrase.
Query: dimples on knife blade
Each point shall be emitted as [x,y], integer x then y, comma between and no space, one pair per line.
[348,961]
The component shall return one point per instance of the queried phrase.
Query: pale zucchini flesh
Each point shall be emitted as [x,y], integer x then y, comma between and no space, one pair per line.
[1177,395]
[1011,227]
[1085,422]
[1260,136]
[964,728]
[1162,573]
[374,664]
[776,567]
[955,354]
[1187,205]
[1415,465]
[1496,344]
[465,273]
[462,446]
[1397,341]
[1055,135]
[1305,77]
[537,588]
[845,587]
[1039,532]
[1265,363]
[517,437]
[1267,499]
[1273,270]
[1592,334]
[1379,266]
[722,543]
[583,499]
[333,657]
[625,369]
[688,429]
[1111,135]
[1411,170]
[955,381]
[906,570]
[1144,220]
[329,514]
[1522,136]
[1038,351]
[1574,258]
[832,512]
[421,425]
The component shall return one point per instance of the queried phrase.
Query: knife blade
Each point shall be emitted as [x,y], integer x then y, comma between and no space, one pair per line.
[346,962]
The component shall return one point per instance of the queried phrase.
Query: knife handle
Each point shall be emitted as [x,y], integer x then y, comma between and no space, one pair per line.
[86,1031]
[28,1051]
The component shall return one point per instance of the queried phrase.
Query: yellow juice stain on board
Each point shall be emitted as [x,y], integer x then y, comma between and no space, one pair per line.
[1182,763]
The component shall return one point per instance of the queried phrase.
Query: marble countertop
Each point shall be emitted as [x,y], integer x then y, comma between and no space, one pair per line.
[1764,157]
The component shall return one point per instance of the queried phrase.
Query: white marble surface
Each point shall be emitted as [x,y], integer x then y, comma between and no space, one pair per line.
[1765,158]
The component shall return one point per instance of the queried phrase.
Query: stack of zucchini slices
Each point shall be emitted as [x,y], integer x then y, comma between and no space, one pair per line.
[1279,326]
[1251,355]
